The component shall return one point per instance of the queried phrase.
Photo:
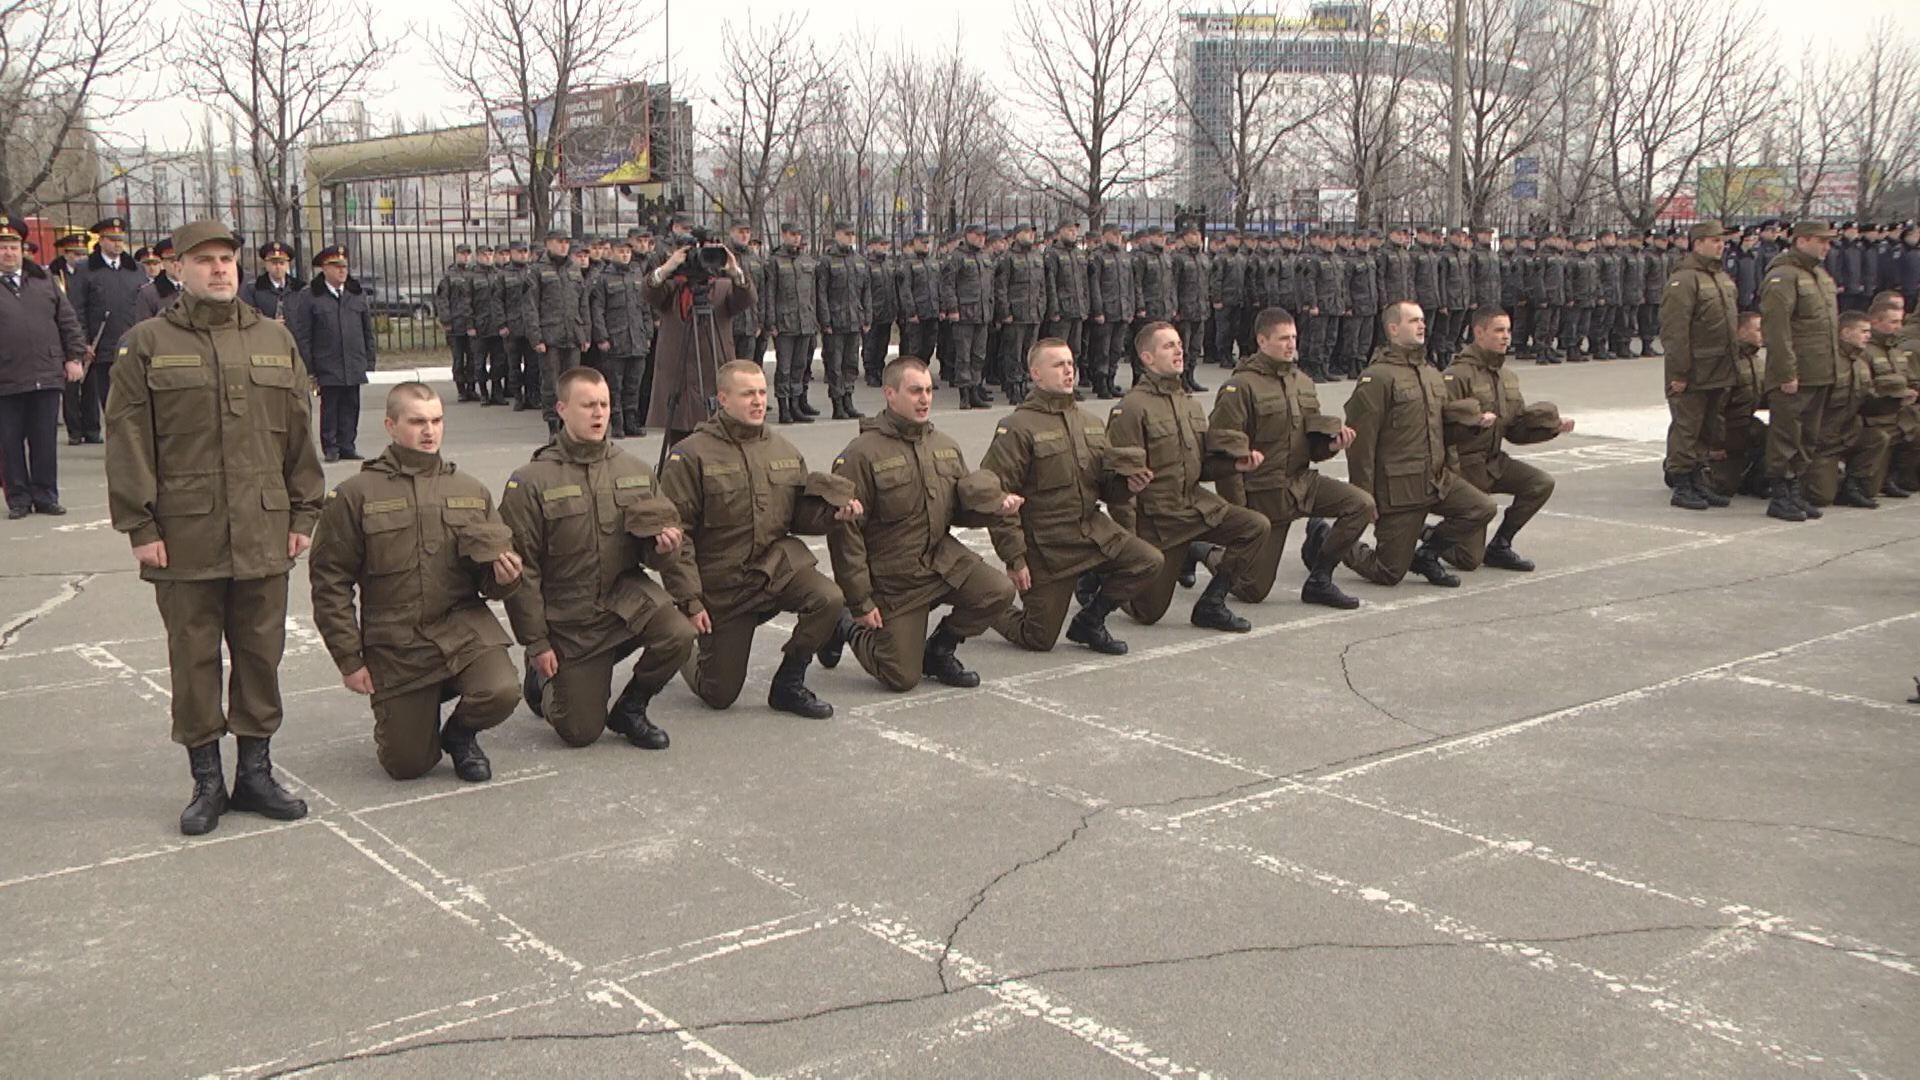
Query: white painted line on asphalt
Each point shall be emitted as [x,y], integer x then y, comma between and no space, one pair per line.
[504,780]
[154,853]
[735,947]
[1617,523]
[739,933]
[915,741]
[49,688]
[1911,712]
[724,1065]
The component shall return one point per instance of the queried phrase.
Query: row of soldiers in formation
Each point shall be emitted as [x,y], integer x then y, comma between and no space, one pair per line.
[1865,259]
[213,475]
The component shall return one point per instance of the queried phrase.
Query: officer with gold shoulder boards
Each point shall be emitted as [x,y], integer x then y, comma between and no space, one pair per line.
[421,544]
[587,522]
[1055,455]
[745,497]
[213,475]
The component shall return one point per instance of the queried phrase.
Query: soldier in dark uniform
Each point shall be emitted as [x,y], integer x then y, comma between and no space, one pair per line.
[841,290]
[104,295]
[162,289]
[1321,273]
[1456,293]
[1513,295]
[1186,522]
[587,521]
[745,497]
[421,544]
[516,302]
[1227,286]
[332,323]
[453,303]
[1583,302]
[917,285]
[1395,262]
[746,325]
[1363,305]
[966,302]
[1428,280]
[1111,305]
[887,308]
[1277,406]
[1399,456]
[1488,284]
[557,301]
[1055,455]
[1633,286]
[41,353]
[1743,265]
[1020,302]
[995,370]
[1606,264]
[1655,271]
[275,287]
[792,310]
[621,324]
[900,559]
[1067,295]
[1153,288]
[1847,263]
[489,348]
[213,475]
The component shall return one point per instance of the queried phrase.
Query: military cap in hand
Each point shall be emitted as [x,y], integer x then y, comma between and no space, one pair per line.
[484,541]
[1227,442]
[835,491]
[650,517]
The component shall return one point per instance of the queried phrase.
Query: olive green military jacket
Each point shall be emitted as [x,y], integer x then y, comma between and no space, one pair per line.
[410,533]
[1478,382]
[210,443]
[1273,401]
[1903,350]
[1749,380]
[1699,312]
[1159,416]
[1399,451]
[915,487]
[1800,318]
[1055,454]
[1876,382]
[568,510]
[741,493]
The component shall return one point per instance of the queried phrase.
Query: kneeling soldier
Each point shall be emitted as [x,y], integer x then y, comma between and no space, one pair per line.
[1055,455]
[746,497]
[586,521]
[1275,403]
[1173,511]
[900,559]
[423,546]
[1486,411]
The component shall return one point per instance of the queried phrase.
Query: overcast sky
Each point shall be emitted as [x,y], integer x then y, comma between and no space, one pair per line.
[411,83]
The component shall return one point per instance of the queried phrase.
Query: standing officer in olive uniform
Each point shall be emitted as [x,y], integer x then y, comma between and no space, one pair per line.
[841,286]
[966,301]
[1275,403]
[1399,456]
[746,498]
[422,545]
[1698,317]
[1110,306]
[1799,316]
[900,559]
[557,298]
[213,475]
[1489,412]
[792,311]
[1173,512]
[622,323]
[1055,455]
[587,522]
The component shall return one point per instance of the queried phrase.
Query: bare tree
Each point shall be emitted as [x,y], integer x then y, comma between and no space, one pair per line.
[1239,118]
[859,105]
[1086,76]
[771,83]
[1880,102]
[282,67]
[1812,131]
[1571,159]
[1663,111]
[57,59]
[944,118]
[521,62]
[1365,100]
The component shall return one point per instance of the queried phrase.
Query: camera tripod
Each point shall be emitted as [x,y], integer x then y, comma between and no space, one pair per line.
[706,337]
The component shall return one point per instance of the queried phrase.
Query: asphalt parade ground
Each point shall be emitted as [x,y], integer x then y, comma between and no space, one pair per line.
[1647,811]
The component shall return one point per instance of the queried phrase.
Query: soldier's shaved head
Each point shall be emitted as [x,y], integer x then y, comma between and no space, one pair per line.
[1406,324]
[732,368]
[404,394]
[740,387]
[415,418]
[1050,365]
[897,368]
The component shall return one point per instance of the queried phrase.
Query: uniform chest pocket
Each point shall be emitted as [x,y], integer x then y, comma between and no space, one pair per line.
[1163,441]
[947,463]
[273,389]
[179,396]
[1054,465]
[896,492]
[392,544]
[1270,417]
[728,497]
[569,526]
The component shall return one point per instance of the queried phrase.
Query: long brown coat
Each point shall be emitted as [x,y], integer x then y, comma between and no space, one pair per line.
[677,406]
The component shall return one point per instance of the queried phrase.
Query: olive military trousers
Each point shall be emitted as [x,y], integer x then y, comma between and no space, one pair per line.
[1530,487]
[1463,510]
[969,354]
[1697,425]
[1351,509]
[576,699]
[1863,450]
[1036,623]
[718,668]
[250,616]
[1238,537]
[406,726]
[893,653]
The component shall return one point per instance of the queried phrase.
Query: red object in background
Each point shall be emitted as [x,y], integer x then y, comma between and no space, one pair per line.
[41,232]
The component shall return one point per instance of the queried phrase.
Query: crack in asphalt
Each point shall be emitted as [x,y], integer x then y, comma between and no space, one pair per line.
[75,585]
[1756,822]
[1109,967]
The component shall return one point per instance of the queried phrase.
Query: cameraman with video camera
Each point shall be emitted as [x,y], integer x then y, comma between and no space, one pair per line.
[696,291]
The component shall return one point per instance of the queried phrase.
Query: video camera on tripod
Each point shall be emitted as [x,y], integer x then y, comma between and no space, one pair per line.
[707,261]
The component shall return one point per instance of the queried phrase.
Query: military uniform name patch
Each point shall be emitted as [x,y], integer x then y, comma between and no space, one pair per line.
[273,361]
[623,482]
[382,506]
[466,502]
[564,491]
[947,453]
[177,361]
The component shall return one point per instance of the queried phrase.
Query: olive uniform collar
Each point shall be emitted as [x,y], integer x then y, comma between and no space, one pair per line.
[397,459]
[1261,363]
[1047,401]
[565,448]
[1409,355]
[898,426]
[199,313]
[1480,357]
[733,431]
[1164,385]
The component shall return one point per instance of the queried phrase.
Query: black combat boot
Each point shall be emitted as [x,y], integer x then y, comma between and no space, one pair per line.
[463,746]
[1705,487]
[1854,494]
[629,717]
[1781,503]
[839,406]
[1915,699]
[801,403]
[1314,543]
[940,664]
[1196,554]
[1799,490]
[1426,563]
[1085,588]
[1892,489]
[790,694]
[1187,380]
[202,815]
[852,413]
[1016,392]
[801,415]
[1210,612]
[1104,389]
[1685,495]
[982,394]
[1501,556]
[1319,587]
[966,398]
[254,788]
[530,689]
[1089,627]
[829,654]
